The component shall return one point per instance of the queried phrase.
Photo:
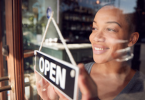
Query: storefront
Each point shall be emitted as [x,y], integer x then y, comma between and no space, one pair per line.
[22,25]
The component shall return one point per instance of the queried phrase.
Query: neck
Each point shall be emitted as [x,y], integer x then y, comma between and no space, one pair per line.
[113,68]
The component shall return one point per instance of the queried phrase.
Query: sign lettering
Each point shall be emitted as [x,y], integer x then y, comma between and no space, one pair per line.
[58,73]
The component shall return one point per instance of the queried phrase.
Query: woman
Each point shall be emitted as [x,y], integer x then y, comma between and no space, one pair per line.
[109,76]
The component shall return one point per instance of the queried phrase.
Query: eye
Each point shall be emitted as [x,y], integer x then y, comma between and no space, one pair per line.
[93,29]
[109,29]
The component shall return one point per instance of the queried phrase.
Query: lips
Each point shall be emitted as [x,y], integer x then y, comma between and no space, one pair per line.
[99,49]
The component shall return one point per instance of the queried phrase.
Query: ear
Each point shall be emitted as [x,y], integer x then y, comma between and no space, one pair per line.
[133,39]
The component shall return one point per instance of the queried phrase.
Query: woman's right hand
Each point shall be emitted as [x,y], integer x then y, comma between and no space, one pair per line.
[44,89]
[86,84]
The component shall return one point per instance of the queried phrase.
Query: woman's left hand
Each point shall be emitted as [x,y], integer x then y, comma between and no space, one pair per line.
[86,84]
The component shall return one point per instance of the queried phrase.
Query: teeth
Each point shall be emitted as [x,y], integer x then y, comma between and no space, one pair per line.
[98,48]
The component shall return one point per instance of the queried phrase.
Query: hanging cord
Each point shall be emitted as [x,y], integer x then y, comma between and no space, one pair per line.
[45,31]
[61,38]
[63,42]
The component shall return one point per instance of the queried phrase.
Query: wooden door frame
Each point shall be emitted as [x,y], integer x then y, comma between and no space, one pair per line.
[14,41]
[2,94]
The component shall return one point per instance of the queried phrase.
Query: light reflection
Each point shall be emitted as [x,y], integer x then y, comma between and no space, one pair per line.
[126,54]
[98,2]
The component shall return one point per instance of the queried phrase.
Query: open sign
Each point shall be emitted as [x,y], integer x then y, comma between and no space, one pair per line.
[58,73]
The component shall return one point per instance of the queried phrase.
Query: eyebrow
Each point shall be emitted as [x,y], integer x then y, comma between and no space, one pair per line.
[114,22]
[110,22]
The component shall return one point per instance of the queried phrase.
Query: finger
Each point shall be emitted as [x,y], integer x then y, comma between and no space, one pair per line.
[43,94]
[51,93]
[37,76]
[82,78]
[43,83]
[34,69]
[61,96]
[43,88]
[38,86]
[86,84]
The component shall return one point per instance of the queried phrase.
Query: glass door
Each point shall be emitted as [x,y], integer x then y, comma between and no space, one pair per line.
[17,81]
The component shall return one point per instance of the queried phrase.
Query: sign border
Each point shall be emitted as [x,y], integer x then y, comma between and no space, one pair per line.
[75,97]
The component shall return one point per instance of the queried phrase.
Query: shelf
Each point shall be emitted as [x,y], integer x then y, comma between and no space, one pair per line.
[75,12]
[77,21]
[77,30]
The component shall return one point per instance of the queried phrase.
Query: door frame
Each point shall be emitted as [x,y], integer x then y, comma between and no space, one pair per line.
[14,40]
[2,94]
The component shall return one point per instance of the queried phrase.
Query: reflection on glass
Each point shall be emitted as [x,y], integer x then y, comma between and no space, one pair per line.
[75,22]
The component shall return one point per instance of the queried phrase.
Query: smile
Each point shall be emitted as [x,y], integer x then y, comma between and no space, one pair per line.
[99,50]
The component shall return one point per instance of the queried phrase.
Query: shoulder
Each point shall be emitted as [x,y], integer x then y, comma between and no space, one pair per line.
[141,75]
[137,83]
[135,90]
[88,66]
[139,78]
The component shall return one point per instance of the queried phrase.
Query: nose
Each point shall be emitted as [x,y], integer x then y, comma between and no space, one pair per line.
[99,37]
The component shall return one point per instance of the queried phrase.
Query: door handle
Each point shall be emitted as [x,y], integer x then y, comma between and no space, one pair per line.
[5,78]
[5,88]
[5,50]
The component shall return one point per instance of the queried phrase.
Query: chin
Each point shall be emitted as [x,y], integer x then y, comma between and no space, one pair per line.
[100,60]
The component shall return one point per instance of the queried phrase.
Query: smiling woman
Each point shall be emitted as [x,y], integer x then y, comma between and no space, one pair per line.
[109,26]
[114,80]
[110,75]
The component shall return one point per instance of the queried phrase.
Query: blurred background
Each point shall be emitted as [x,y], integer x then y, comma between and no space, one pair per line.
[24,22]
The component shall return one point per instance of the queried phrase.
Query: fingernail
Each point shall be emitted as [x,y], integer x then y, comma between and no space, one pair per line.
[80,71]
[40,83]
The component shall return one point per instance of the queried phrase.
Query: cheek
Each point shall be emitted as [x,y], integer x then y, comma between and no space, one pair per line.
[115,47]
[114,44]
[117,43]
[114,39]
[91,37]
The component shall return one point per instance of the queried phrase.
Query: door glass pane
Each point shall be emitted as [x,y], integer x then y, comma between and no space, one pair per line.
[75,20]
[29,28]
[34,21]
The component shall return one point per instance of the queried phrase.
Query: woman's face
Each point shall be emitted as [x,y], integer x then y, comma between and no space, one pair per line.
[109,29]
